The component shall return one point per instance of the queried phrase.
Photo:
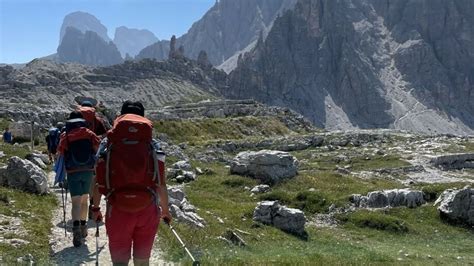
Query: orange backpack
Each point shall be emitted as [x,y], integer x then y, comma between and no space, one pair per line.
[88,113]
[131,170]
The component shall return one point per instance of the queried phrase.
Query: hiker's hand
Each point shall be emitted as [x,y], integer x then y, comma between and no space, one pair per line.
[96,214]
[166,217]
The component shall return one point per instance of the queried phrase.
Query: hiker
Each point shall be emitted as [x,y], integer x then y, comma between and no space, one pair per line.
[130,173]
[7,136]
[97,125]
[52,142]
[78,145]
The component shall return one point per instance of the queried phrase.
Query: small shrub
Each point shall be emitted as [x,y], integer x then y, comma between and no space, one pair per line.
[311,202]
[281,196]
[376,220]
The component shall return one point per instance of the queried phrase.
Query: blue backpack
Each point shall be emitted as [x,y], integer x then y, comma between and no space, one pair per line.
[53,140]
[80,154]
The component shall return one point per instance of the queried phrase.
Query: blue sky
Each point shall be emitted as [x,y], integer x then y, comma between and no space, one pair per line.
[30,28]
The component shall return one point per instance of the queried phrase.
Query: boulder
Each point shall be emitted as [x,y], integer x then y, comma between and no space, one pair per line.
[260,189]
[389,198]
[22,130]
[183,165]
[26,176]
[287,219]
[182,210]
[43,157]
[268,166]
[457,205]
[37,160]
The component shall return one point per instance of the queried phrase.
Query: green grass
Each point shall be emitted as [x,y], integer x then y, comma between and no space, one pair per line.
[36,213]
[211,129]
[363,237]
[376,220]
[11,150]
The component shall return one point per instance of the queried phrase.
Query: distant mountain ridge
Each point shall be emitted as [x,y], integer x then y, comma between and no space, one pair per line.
[132,41]
[228,27]
[87,48]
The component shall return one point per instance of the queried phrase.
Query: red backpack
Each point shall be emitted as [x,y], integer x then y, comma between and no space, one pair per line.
[88,113]
[131,170]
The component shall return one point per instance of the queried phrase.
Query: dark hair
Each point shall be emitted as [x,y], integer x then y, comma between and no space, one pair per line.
[86,103]
[75,114]
[130,107]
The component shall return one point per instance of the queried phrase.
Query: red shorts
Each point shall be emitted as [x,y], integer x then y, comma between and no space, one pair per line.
[131,229]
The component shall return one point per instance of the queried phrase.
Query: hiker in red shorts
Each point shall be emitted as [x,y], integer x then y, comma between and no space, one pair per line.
[130,173]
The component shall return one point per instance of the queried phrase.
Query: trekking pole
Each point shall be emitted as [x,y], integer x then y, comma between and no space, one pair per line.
[64,210]
[97,243]
[195,262]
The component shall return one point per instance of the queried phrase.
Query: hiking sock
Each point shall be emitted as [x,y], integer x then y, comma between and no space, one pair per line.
[83,222]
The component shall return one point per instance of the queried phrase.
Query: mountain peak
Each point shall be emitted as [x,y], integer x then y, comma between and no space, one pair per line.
[83,21]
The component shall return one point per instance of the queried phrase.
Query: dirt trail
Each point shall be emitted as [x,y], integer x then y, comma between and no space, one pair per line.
[64,253]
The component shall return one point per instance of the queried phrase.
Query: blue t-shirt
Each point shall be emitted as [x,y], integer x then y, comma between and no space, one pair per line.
[7,137]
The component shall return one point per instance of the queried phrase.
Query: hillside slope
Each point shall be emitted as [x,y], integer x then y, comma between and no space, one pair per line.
[368,64]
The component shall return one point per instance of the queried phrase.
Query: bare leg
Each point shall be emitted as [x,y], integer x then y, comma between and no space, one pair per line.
[84,207]
[76,207]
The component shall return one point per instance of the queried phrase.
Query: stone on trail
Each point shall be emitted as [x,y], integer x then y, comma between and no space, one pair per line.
[260,189]
[266,165]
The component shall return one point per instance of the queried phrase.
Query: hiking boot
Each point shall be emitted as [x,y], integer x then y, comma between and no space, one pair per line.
[76,236]
[84,230]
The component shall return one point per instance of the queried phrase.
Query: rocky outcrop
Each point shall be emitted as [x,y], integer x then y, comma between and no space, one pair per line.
[367,64]
[231,108]
[228,27]
[24,175]
[43,91]
[457,205]
[454,161]
[287,219]
[268,166]
[389,198]
[87,48]
[182,210]
[132,41]
[83,22]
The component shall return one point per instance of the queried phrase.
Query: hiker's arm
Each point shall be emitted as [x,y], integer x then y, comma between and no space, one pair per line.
[162,191]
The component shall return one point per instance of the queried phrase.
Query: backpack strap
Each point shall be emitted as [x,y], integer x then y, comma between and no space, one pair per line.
[156,170]
[107,172]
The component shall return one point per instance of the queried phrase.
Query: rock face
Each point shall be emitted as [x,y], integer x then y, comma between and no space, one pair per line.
[389,198]
[87,48]
[457,206]
[368,64]
[268,166]
[83,22]
[454,161]
[24,175]
[287,219]
[132,41]
[228,27]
